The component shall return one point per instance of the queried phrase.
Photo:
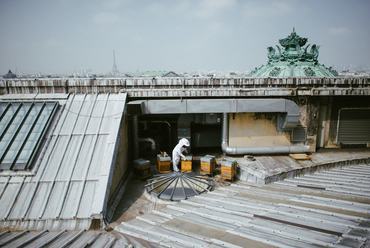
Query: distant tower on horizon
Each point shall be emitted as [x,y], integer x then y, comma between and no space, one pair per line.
[114,68]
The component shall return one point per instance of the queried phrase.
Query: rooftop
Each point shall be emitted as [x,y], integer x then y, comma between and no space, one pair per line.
[327,208]
[67,187]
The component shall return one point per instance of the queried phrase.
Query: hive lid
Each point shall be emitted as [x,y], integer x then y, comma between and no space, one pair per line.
[163,158]
[188,157]
[207,158]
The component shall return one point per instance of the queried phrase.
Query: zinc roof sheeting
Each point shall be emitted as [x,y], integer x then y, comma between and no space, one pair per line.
[68,186]
[64,238]
[328,208]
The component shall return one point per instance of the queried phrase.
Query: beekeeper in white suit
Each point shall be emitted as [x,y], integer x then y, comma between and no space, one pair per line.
[177,153]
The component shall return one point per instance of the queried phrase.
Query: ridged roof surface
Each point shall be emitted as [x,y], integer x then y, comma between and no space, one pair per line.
[325,209]
[68,185]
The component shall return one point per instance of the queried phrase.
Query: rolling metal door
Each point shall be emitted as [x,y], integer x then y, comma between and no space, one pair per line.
[354,126]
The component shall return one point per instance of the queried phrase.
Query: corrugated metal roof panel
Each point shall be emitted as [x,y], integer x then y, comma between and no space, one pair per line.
[39,200]
[70,155]
[88,194]
[71,200]
[25,194]
[55,201]
[82,163]
[55,158]
[327,208]
[46,238]
[8,198]
[72,115]
[69,185]
[85,113]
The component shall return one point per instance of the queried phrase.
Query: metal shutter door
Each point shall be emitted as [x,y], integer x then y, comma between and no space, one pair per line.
[354,126]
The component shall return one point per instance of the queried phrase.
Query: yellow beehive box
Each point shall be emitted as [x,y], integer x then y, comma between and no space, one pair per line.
[207,165]
[228,169]
[163,164]
[186,164]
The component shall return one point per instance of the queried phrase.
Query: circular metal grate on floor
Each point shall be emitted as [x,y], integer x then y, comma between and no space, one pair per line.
[178,186]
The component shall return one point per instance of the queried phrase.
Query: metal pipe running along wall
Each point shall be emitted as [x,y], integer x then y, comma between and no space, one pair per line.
[288,108]
[255,150]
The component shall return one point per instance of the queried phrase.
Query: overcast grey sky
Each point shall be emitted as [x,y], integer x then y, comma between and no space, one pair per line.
[62,36]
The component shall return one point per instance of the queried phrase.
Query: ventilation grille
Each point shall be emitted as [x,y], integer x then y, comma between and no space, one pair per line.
[299,134]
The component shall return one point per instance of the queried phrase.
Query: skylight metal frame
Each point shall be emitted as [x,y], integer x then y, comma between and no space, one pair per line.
[30,135]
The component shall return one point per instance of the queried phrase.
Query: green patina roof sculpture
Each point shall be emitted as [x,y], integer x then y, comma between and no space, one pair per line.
[293,59]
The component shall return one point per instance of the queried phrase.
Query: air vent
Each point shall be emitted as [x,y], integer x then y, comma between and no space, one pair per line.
[298,134]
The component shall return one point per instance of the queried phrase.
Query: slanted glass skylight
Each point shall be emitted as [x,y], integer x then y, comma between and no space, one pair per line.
[22,126]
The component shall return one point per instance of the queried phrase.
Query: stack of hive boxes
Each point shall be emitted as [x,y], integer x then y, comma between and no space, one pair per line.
[163,163]
[186,164]
[228,169]
[207,165]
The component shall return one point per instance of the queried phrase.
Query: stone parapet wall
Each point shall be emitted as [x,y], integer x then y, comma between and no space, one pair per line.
[193,87]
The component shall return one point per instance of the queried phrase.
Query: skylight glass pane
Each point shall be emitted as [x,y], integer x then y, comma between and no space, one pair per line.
[3,107]
[35,134]
[7,116]
[19,140]
[21,128]
[12,131]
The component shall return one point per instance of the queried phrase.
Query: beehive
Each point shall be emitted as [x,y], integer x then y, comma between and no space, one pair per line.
[186,164]
[142,168]
[163,164]
[228,168]
[207,165]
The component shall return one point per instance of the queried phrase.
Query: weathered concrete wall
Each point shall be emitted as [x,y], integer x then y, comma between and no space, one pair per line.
[253,129]
[324,122]
[121,166]
[193,87]
[312,121]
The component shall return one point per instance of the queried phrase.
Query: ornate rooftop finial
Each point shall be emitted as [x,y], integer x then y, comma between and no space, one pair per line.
[293,50]
[293,53]
[293,40]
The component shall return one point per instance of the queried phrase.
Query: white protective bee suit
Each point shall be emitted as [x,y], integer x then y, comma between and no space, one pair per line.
[177,153]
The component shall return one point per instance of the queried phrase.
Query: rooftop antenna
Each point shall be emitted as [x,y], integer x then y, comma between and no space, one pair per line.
[114,68]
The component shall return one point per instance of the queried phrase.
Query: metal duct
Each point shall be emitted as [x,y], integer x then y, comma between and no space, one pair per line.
[149,140]
[289,110]
[169,130]
[255,150]
[135,131]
